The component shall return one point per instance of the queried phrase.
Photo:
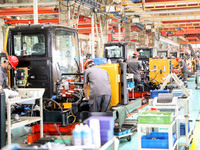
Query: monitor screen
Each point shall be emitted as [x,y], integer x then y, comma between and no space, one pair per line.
[145,54]
[162,53]
[114,52]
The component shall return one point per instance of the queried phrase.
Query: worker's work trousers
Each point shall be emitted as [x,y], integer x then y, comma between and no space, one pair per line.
[138,84]
[137,79]
[100,103]
[185,76]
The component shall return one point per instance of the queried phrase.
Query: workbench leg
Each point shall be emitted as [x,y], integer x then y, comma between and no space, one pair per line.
[170,136]
[41,116]
[9,123]
[139,136]
[115,144]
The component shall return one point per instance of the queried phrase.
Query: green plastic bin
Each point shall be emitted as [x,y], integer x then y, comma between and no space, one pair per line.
[155,118]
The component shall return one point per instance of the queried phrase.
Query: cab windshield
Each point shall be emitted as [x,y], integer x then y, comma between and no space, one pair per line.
[66,53]
[29,44]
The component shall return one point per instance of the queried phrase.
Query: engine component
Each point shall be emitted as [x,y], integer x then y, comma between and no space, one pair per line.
[22,77]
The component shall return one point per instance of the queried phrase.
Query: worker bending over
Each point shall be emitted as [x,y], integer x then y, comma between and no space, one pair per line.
[134,66]
[11,62]
[184,69]
[99,82]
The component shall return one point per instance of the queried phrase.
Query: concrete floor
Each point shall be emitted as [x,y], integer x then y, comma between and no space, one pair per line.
[194,111]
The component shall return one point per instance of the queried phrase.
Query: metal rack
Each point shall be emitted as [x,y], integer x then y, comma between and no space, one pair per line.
[169,131]
[25,95]
[184,104]
[185,119]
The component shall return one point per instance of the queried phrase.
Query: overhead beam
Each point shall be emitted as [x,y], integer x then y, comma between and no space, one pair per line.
[86,31]
[180,33]
[166,5]
[183,21]
[176,25]
[192,38]
[184,29]
[196,42]
[29,4]
[21,11]
[170,18]
[152,6]
[32,21]
[162,12]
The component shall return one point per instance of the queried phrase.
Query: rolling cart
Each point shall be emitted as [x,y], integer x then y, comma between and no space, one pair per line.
[123,133]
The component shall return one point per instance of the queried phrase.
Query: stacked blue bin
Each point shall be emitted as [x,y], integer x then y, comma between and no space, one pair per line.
[182,128]
[157,140]
[154,93]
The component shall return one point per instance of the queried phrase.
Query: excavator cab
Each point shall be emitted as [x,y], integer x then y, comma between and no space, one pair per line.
[45,53]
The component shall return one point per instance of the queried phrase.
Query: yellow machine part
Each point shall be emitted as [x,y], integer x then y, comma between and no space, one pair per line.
[159,69]
[194,65]
[63,105]
[114,74]
[123,2]
[174,63]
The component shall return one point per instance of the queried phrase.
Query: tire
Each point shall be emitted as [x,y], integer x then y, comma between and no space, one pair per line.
[129,138]
[187,147]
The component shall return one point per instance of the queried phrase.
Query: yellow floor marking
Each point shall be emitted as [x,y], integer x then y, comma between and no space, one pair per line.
[196,137]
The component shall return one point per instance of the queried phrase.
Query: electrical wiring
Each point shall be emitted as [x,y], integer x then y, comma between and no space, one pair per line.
[156,75]
[74,118]
[56,104]
[60,134]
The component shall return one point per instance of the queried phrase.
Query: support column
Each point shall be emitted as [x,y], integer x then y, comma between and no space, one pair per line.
[119,31]
[127,31]
[2,119]
[2,30]
[98,51]
[35,8]
[92,24]
[63,13]
[102,36]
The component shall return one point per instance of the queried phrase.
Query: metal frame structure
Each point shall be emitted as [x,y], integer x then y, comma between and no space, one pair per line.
[30,94]
[158,5]
[169,131]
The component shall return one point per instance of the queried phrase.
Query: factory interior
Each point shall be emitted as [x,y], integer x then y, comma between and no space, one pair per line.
[100,75]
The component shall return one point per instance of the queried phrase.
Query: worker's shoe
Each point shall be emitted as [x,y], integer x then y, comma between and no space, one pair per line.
[185,84]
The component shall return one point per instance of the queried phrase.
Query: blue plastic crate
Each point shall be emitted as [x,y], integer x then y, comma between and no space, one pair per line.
[154,93]
[131,84]
[182,128]
[128,131]
[99,61]
[178,94]
[156,140]
[118,133]
[123,132]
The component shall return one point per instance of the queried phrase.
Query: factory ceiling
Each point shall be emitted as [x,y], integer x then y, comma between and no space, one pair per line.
[170,17]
